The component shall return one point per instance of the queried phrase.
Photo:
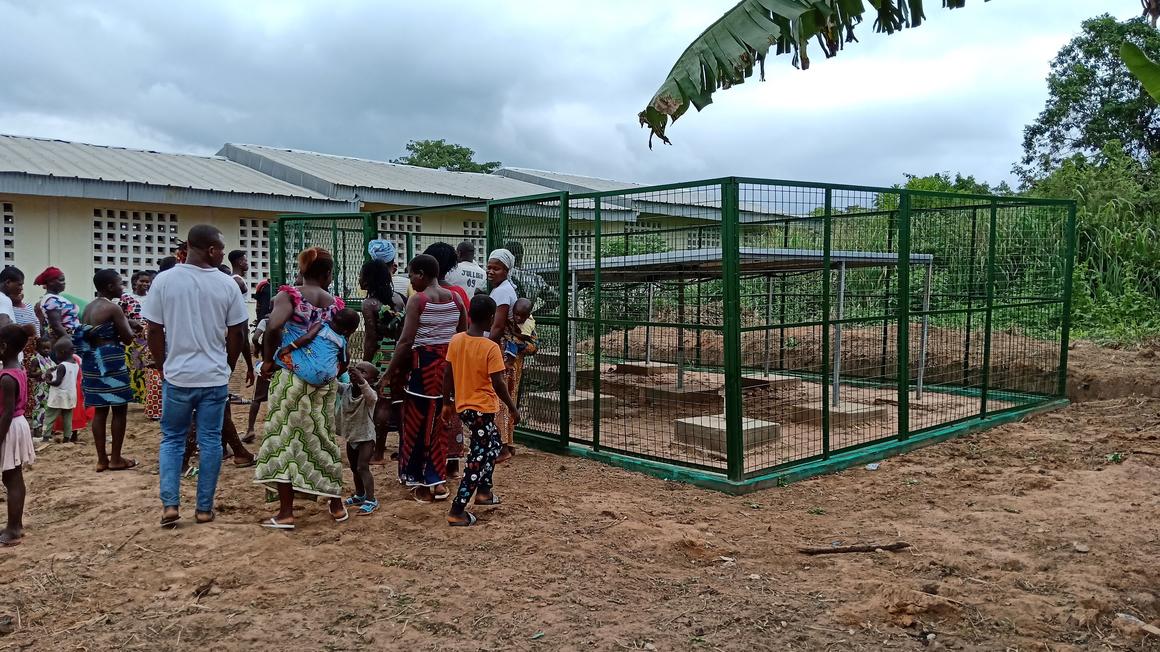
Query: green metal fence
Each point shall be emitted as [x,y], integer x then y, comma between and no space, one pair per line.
[739,332]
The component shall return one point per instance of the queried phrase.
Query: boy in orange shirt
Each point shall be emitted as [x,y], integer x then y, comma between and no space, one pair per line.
[475,379]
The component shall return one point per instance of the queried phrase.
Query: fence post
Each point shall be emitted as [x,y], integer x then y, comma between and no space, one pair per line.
[491,230]
[903,314]
[565,323]
[731,278]
[1068,272]
[827,245]
[277,256]
[992,240]
[970,296]
[370,232]
[598,327]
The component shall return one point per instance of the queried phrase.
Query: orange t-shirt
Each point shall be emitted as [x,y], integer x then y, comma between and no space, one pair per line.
[473,360]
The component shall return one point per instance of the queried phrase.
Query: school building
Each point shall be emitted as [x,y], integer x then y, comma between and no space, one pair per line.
[85,207]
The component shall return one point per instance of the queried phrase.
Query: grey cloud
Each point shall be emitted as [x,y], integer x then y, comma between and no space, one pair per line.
[542,85]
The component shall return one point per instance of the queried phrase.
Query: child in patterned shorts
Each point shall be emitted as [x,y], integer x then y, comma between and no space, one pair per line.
[475,379]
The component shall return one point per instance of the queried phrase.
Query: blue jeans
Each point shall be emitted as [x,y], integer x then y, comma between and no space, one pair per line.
[177,408]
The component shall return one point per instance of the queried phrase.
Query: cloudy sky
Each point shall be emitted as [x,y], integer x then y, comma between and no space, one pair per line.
[551,85]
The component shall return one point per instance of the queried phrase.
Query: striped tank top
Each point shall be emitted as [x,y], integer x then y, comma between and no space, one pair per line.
[437,321]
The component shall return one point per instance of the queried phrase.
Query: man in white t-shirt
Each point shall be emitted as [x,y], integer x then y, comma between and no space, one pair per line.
[468,274]
[7,312]
[197,322]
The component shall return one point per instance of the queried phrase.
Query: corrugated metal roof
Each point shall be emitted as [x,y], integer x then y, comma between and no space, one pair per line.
[561,181]
[365,173]
[69,160]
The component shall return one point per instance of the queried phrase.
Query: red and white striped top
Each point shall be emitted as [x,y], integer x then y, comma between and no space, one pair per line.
[437,321]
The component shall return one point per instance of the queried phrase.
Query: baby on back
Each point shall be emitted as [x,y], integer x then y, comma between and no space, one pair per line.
[319,355]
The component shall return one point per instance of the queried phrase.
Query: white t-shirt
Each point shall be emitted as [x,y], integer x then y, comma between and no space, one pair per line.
[468,276]
[65,396]
[6,307]
[400,284]
[505,295]
[196,306]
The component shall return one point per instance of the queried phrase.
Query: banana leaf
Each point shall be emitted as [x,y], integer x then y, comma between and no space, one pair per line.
[726,53]
[1143,68]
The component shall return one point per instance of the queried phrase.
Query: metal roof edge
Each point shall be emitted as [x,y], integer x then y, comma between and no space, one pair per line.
[20,183]
[255,160]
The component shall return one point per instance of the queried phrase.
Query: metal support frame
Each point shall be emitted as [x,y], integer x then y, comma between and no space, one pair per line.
[836,389]
[681,336]
[926,282]
[768,318]
[903,314]
[648,328]
[992,244]
[731,318]
[572,336]
[597,328]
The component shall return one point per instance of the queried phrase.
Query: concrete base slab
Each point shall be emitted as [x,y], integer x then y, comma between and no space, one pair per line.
[848,414]
[775,381]
[646,368]
[580,403]
[671,394]
[708,432]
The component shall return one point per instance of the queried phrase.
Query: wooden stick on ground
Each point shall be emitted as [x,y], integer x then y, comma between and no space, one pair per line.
[889,547]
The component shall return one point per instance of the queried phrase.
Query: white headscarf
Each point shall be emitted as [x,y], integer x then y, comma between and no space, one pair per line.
[504,257]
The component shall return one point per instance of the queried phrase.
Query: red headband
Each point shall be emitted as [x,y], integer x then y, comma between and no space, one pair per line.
[48,276]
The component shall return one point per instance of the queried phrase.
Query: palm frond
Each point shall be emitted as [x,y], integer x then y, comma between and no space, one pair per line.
[726,53]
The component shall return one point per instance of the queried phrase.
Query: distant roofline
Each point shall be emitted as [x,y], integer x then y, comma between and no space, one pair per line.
[18,182]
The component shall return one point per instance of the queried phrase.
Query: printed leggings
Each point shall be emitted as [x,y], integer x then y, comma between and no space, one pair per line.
[485,446]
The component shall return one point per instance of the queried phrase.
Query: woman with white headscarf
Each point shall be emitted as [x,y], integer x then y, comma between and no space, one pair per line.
[499,266]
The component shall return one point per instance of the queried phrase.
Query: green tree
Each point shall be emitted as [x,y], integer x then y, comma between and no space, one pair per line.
[441,155]
[1094,100]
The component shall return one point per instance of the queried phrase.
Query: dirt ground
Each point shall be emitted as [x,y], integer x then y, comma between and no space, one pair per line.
[1032,536]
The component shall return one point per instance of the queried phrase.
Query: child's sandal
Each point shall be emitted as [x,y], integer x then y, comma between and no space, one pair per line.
[368,507]
[354,501]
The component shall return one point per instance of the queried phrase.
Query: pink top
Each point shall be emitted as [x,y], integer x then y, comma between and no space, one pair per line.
[307,314]
[22,394]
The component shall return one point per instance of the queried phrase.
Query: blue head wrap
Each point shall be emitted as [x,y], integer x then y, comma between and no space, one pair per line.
[383,250]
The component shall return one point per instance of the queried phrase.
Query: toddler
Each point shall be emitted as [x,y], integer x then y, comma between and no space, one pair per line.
[62,391]
[355,420]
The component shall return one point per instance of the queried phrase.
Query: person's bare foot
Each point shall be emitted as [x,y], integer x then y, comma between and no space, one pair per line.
[505,454]
[378,461]
[338,510]
[121,464]
[243,461]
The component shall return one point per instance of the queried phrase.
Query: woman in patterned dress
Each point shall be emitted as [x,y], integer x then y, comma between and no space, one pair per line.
[145,379]
[450,429]
[382,313]
[100,340]
[434,315]
[62,315]
[299,453]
